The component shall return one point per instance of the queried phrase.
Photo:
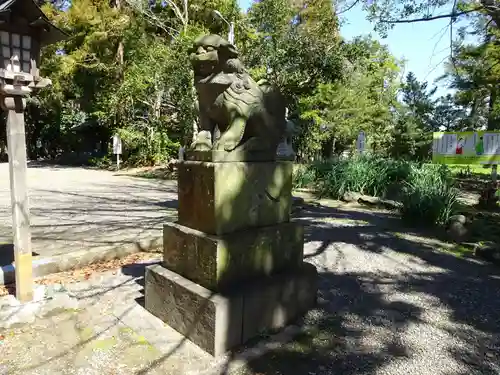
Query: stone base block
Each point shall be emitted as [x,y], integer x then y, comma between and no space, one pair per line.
[211,321]
[218,198]
[273,302]
[216,262]
[218,323]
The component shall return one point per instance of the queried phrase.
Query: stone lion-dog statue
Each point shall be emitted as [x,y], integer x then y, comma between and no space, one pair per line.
[249,115]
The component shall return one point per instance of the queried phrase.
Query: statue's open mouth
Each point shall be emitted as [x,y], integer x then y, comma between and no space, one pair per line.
[204,62]
[204,68]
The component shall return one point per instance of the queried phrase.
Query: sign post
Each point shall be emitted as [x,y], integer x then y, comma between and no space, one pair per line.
[360,143]
[117,149]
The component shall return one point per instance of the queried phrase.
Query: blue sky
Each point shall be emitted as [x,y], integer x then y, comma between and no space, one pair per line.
[425,45]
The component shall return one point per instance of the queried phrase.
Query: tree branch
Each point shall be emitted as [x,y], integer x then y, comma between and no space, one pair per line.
[423,19]
[349,7]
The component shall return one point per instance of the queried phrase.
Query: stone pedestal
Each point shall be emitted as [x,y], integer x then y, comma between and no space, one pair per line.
[233,263]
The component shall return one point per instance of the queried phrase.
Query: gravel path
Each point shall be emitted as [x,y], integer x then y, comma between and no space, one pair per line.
[74,209]
[389,304]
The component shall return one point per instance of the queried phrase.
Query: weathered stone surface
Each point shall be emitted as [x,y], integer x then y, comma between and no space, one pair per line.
[216,262]
[461,219]
[225,156]
[489,251]
[211,321]
[350,196]
[274,302]
[457,232]
[219,198]
[218,323]
[58,303]
[247,115]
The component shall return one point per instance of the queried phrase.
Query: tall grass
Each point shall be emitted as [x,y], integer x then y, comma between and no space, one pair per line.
[429,196]
[426,191]
[366,175]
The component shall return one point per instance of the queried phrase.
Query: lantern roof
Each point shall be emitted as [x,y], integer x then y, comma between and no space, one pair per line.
[31,11]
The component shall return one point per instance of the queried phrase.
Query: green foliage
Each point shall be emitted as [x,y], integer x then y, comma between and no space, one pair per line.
[374,176]
[126,69]
[472,70]
[359,102]
[308,175]
[429,196]
[104,162]
[426,191]
[474,74]
[147,149]
[388,13]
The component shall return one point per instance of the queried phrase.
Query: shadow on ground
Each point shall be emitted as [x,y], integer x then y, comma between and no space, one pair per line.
[475,183]
[137,271]
[389,302]
[365,320]
[7,254]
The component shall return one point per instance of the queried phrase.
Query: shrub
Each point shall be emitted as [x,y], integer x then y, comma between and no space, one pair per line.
[308,175]
[362,174]
[426,191]
[140,149]
[429,196]
[103,162]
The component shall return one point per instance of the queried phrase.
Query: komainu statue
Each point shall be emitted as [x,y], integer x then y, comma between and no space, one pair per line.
[248,115]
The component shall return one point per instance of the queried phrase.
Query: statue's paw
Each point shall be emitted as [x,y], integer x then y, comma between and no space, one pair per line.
[225,145]
[230,146]
[203,142]
[196,146]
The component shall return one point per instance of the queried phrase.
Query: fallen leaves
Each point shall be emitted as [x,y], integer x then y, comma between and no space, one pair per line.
[7,289]
[86,272]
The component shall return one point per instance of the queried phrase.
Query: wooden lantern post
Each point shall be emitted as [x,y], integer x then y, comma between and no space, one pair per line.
[24,29]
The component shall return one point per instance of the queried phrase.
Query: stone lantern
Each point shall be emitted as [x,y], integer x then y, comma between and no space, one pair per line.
[24,29]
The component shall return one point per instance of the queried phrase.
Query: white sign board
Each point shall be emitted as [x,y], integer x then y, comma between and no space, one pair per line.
[360,143]
[117,145]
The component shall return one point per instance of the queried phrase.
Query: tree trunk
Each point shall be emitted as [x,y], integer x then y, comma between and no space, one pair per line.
[186,15]
[158,101]
[120,50]
[492,118]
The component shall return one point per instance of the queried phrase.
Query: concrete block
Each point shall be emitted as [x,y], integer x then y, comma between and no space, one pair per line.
[211,321]
[218,323]
[217,262]
[219,198]
[274,302]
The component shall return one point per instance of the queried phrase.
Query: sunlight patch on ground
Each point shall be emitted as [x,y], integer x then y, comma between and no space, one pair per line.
[435,243]
[344,222]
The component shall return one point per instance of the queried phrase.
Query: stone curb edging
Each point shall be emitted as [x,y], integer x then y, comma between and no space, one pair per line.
[44,266]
